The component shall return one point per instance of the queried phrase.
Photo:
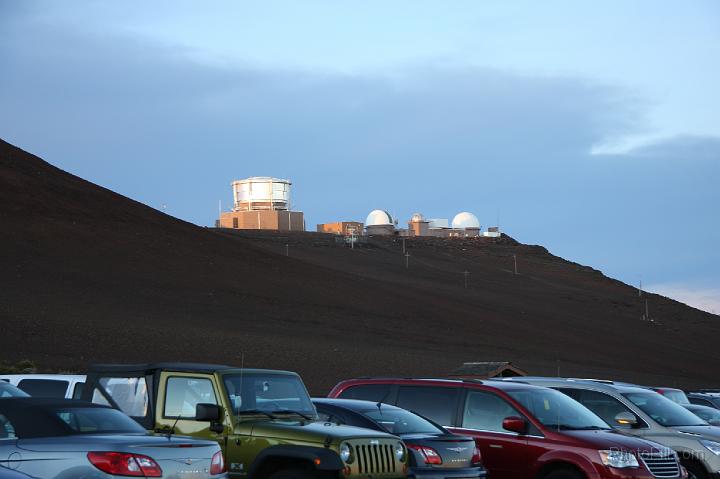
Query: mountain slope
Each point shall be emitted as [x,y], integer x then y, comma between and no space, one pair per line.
[89,275]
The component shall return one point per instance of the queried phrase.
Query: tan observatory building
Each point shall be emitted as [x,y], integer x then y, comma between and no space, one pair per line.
[262,203]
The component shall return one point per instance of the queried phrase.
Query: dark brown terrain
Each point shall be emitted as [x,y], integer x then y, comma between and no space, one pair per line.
[89,275]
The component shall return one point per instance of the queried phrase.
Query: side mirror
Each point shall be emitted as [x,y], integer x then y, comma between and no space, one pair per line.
[515,424]
[626,418]
[208,412]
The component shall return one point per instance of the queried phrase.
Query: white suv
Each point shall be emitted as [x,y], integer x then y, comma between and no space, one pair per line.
[48,385]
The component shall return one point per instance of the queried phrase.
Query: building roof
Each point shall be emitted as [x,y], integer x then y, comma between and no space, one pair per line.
[487,369]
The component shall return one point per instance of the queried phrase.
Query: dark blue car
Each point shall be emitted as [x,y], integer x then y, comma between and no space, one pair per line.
[435,453]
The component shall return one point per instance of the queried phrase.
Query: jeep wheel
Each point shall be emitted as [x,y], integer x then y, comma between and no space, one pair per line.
[292,474]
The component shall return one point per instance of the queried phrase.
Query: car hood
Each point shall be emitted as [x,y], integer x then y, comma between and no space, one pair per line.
[119,443]
[707,432]
[314,431]
[615,440]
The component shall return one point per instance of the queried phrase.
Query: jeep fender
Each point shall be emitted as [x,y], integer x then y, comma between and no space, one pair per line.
[322,459]
[581,462]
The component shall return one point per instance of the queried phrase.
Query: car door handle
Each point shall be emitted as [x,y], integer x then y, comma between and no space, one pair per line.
[496,446]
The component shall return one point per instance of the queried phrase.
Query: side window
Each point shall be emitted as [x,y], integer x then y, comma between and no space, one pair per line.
[485,411]
[604,405]
[436,403]
[702,402]
[77,390]
[44,388]
[367,392]
[183,394]
[7,431]
[130,394]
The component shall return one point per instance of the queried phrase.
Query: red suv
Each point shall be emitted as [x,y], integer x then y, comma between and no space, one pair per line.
[523,431]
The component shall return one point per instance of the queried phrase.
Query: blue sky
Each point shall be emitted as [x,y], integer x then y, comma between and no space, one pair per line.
[592,128]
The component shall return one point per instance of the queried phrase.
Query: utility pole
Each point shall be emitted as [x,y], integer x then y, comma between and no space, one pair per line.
[407,260]
[287,249]
[515,262]
[403,240]
[647,311]
[466,273]
[640,291]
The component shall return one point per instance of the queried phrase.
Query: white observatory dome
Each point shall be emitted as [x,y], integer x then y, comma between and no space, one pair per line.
[465,220]
[378,217]
[417,218]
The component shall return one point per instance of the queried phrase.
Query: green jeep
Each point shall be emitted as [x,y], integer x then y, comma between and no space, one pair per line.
[263,420]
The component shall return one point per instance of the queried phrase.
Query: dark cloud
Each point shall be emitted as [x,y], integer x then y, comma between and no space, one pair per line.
[146,120]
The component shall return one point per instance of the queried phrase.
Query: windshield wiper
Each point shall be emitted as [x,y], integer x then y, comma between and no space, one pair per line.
[255,412]
[290,411]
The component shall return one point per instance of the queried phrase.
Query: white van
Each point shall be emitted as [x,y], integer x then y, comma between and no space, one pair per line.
[48,385]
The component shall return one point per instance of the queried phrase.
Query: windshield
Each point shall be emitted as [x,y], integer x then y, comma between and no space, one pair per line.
[399,421]
[255,393]
[558,411]
[675,396]
[664,411]
[8,391]
[707,413]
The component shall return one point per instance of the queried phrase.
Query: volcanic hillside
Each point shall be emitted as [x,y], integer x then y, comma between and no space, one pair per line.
[89,275]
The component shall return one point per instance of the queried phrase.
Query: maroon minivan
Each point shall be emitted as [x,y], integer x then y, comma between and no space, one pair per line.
[523,431]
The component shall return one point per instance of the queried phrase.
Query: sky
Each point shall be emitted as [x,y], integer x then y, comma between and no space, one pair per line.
[591,128]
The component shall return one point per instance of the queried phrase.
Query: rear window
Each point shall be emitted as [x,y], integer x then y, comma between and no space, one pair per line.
[98,420]
[399,421]
[367,392]
[436,403]
[44,388]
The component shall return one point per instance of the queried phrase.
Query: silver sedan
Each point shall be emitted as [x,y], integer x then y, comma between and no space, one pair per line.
[64,439]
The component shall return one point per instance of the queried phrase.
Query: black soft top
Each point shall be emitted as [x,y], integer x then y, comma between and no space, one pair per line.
[36,417]
[149,368]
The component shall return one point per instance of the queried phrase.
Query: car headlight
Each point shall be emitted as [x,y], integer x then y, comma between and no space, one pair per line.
[346,453]
[713,446]
[399,451]
[618,459]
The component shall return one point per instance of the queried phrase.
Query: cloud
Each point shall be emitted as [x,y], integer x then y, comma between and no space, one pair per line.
[149,120]
[706,299]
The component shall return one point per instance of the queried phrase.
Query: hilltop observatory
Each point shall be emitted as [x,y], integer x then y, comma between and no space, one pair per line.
[262,203]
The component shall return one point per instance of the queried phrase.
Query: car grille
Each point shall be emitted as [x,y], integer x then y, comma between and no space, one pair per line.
[375,459]
[661,465]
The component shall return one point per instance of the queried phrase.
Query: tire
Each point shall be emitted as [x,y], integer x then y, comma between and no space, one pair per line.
[695,470]
[292,474]
[564,474]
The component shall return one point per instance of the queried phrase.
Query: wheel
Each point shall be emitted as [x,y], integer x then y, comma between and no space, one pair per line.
[695,470]
[292,474]
[564,474]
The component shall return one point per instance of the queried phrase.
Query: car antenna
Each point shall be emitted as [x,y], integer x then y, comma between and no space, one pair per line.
[171,431]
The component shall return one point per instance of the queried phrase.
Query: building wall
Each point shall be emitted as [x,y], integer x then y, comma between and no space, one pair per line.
[341,227]
[380,230]
[263,220]
[419,228]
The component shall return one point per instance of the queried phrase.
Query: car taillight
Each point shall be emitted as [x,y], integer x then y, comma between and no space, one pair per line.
[429,454]
[476,457]
[125,464]
[217,465]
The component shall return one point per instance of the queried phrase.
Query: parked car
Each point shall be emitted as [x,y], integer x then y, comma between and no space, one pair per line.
[264,419]
[434,452]
[644,413]
[673,394]
[706,413]
[523,431]
[705,398]
[64,438]
[48,385]
[7,390]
